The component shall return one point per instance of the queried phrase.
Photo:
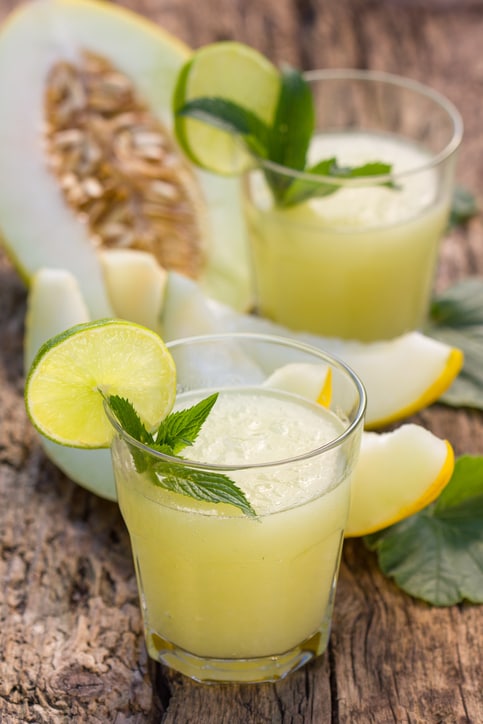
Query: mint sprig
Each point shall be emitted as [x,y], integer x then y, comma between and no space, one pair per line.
[177,431]
[285,142]
[437,554]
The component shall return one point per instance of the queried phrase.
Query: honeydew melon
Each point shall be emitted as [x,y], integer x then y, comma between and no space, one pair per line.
[398,474]
[135,284]
[54,303]
[39,227]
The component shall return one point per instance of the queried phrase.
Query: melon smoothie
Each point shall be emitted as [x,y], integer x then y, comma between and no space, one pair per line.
[357,259]
[228,596]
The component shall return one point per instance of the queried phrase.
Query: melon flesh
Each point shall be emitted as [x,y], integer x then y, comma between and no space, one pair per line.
[135,284]
[38,228]
[55,303]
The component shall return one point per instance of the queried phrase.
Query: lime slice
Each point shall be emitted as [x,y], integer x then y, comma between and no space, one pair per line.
[71,372]
[234,72]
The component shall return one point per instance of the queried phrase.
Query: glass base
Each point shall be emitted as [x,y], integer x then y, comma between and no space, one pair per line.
[209,670]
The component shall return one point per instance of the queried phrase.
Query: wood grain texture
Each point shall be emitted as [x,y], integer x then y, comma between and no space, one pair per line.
[71,645]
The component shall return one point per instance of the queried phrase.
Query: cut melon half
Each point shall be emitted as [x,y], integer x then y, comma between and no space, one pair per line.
[88,159]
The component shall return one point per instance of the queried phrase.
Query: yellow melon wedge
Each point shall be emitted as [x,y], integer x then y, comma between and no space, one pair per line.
[398,473]
[312,381]
[135,284]
[416,370]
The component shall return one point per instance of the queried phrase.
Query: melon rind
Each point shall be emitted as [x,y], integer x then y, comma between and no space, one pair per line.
[55,303]
[38,228]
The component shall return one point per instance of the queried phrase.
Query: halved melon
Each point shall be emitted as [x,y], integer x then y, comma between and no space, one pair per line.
[88,160]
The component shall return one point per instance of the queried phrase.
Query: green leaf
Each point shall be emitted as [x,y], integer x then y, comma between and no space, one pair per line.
[129,419]
[456,318]
[181,428]
[463,496]
[202,485]
[437,554]
[463,207]
[304,189]
[177,431]
[131,422]
[232,118]
[293,123]
[291,131]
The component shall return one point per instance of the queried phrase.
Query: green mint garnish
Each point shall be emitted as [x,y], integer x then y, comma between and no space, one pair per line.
[177,431]
[437,554]
[285,142]
[232,118]
[181,428]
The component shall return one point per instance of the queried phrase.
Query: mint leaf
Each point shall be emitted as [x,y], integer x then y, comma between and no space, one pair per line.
[232,118]
[291,131]
[456,318]
[304,189]
[437,554]
[129,419]
[201,485]
[178,430]
[181,428]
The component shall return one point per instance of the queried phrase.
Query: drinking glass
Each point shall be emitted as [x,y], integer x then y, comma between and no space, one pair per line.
[228,596]
[359,261]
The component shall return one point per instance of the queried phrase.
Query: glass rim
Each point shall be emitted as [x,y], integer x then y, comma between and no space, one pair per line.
[272,339]
[376,76]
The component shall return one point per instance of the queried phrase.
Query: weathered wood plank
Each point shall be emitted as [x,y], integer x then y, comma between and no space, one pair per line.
[71,641]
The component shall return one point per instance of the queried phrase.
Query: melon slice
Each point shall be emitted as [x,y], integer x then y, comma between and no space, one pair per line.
[135,284]
[55,303]
[88,158]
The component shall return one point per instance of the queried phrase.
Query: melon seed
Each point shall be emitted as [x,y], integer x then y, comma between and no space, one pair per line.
[117,166]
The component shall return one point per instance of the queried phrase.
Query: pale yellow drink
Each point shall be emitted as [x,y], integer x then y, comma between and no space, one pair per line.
[360,262]
[220,585]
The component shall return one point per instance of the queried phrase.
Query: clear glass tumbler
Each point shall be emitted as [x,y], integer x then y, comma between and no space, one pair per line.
[228,596]
[359,261]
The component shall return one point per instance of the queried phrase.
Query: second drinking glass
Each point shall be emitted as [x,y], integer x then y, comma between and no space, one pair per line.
[359,261]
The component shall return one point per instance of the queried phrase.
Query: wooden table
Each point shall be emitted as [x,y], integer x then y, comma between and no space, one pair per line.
[71,638]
